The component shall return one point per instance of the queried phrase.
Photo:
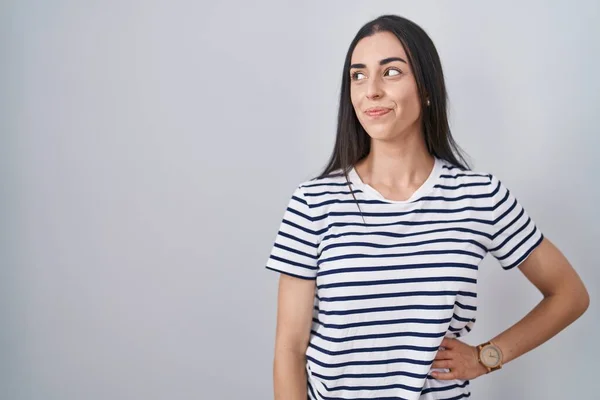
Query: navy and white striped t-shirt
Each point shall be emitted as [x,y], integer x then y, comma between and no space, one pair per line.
[390,288]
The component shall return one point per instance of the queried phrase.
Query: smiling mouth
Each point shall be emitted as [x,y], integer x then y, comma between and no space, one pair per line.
[377,112]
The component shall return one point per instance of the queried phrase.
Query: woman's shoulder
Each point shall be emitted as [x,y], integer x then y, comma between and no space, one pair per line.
[453,171]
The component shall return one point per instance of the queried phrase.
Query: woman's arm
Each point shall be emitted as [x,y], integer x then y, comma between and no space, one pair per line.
[294,318]
[565,300]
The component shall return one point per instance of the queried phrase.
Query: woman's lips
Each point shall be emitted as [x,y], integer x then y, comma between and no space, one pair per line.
[377,112]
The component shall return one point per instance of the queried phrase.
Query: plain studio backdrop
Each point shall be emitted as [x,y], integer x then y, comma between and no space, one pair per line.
[148,151]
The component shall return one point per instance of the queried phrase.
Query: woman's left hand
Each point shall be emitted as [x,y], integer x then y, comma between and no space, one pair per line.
[461,358]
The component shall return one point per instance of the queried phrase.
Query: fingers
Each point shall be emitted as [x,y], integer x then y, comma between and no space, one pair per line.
[443,355]
[448,343]
[443,375]
[441,364]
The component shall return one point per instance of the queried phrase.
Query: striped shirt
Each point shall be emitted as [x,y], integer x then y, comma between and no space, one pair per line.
[391,287]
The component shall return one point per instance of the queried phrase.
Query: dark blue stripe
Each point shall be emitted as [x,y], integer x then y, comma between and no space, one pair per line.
[384,322]
[417,211]
[518,245]
[471,184]
[328,192]
[349,201]
[462,319]
[296,239]
[374,388]
[313,185]
[466,196]
[369,362]
[295,251]
[394,255]
[460,396]
[373,349]
[501,202]
[451,167]
[311,390]
[398,281]
[446,388]
[467,175]
[465,307]
[294,263]
[400,294]
[396,267]
[378,336]
[361,201]
[303,228]
[496,189]
[409,244]
[385,309]
[374,375]
[506,226]
[412,223]
[402,235]
[515,233]
[527,253]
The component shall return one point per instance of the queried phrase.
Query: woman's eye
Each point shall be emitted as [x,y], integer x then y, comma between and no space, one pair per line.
[393,72]
[357,76]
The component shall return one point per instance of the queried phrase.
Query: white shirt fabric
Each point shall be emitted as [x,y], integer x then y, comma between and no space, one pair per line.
[389,289]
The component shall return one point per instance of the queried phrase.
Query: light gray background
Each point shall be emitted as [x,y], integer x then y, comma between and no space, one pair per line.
[148,150]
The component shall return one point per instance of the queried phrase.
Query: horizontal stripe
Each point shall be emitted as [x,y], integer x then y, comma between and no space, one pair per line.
[464,175]
[378,268]
[378,336]
[384,322]
[369,362]
[412,212]
[374,349]
[524,256]
[460,396]
[373,388]
[462,185]
[446,388]
[412,223]
[292,263]
[295,251]
[397,294]
[402,235]
[369,375]
[409,244]
[396,308]
[397,281]
[395,255]
[518,245]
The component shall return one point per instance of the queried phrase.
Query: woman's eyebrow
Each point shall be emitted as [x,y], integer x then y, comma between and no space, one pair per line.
[382,62]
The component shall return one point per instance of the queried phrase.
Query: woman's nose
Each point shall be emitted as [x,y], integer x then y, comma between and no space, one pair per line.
[374,90]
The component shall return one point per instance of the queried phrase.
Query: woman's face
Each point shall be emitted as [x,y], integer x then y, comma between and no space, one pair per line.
[383,90]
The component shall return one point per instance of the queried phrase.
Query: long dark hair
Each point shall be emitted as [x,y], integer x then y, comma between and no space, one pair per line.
[352,142]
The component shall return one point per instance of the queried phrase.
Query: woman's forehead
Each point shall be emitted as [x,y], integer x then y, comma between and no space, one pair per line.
[376,47]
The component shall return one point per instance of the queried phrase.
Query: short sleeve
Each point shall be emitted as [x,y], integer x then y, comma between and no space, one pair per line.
[295,250]
[514,234]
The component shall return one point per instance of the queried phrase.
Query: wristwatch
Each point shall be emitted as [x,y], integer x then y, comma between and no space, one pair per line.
[490,356]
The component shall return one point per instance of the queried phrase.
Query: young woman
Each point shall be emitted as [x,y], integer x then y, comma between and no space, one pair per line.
[379,254]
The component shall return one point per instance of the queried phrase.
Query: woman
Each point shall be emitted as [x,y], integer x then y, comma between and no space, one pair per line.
[379,254]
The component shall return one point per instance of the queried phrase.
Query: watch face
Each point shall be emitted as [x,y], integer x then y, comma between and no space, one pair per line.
[491,356]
